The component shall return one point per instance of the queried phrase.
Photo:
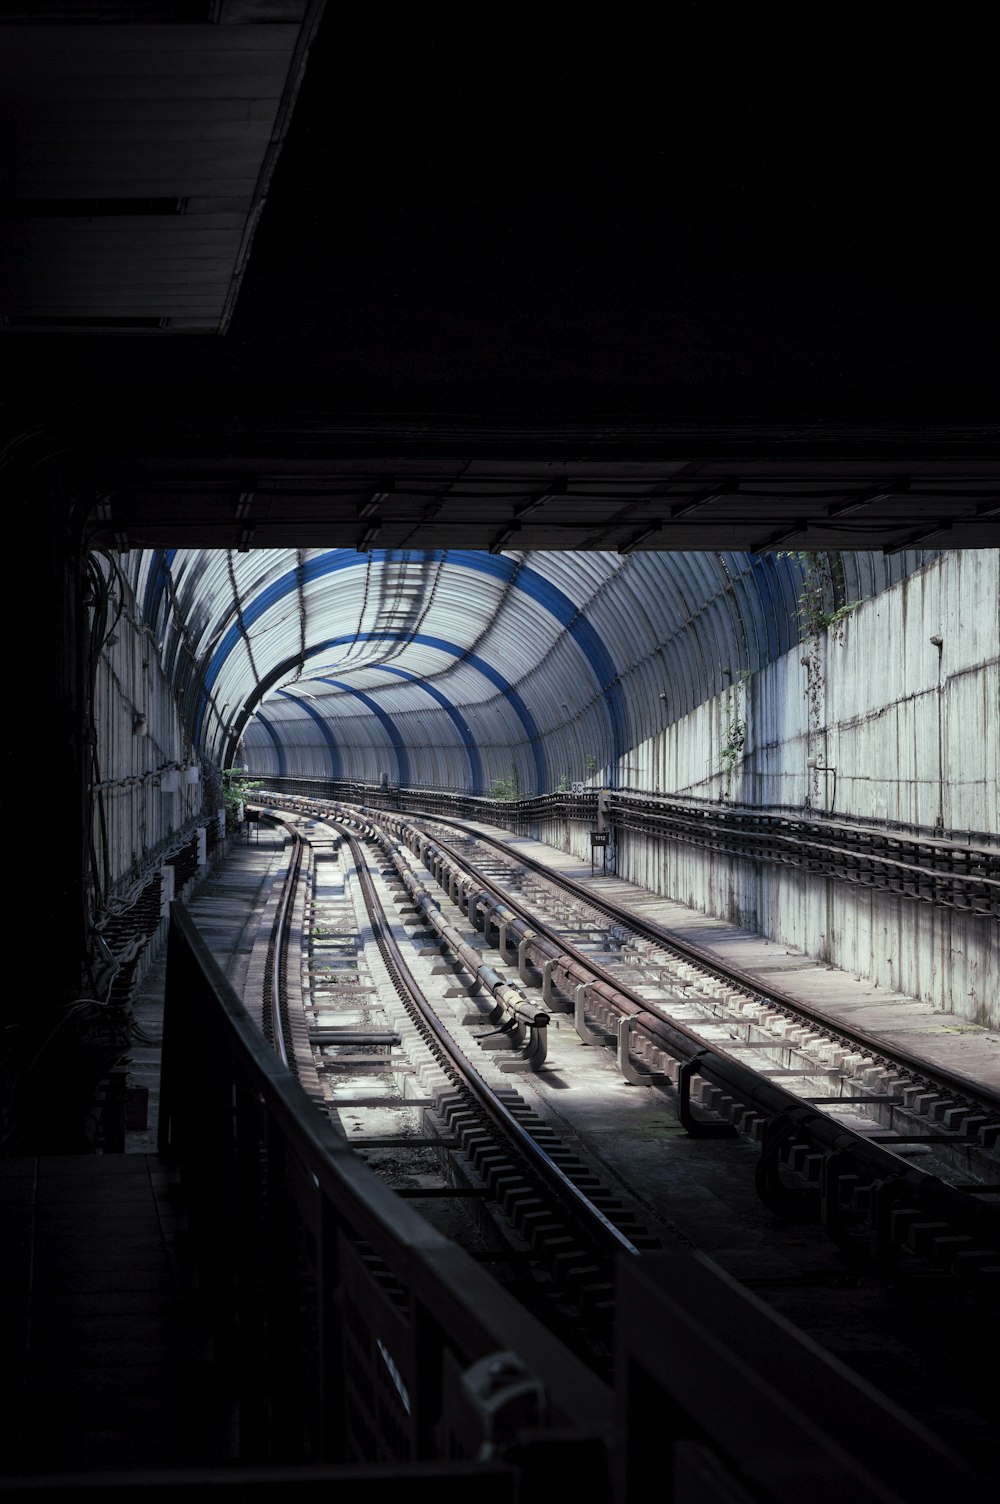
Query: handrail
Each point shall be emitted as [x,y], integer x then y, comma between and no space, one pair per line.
[385,1304]
[394,1328]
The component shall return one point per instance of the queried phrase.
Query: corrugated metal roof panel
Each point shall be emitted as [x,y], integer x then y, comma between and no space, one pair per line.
[462,666]
[101,114]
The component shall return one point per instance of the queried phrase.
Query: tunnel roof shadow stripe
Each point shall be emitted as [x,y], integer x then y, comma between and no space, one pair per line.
[547,595]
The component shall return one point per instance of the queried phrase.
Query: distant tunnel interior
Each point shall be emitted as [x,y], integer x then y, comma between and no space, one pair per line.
[851,686]
[462,670]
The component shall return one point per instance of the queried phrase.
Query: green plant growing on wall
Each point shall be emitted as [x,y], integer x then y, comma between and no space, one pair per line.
[733,744]
[835,618]
[234,788]
[735,735]
[822,620]
[590,763]
[822,583]
[562,787]
[506,789]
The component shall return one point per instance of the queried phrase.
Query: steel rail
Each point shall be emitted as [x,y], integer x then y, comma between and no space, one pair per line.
[854,1038]
[278,957]
[896,1198]
[648,929]
[797,1117]
[831,851]
[464,1074]
[713,1061]
[963,875]
[790,1119]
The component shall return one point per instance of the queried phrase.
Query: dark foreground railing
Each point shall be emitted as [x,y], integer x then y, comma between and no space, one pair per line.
[349,1330]
[360,1346]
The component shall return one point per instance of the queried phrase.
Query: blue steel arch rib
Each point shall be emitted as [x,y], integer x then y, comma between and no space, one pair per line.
[584,634]
[156,583]
[497,566]
[324,727]
[276,740]
[391,730]
[457,719]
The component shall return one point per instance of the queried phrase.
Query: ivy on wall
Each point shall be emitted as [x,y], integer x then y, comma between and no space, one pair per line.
[821,601]
[234,787]
[822,612]
[735,734]
[506,789]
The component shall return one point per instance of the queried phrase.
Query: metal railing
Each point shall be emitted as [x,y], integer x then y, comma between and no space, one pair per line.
[960,871]
[725,1400]
[348,1329]
[360,1346]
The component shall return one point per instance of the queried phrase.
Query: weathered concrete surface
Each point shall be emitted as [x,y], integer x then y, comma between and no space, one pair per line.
[909,731]
[871,697]
[918,1028]
[140,736]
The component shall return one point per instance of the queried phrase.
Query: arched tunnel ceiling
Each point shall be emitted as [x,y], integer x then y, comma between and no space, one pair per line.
[455,668]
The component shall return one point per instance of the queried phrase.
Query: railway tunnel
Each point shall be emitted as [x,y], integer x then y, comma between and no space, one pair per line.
[823,691]
[457,553]
[795,751]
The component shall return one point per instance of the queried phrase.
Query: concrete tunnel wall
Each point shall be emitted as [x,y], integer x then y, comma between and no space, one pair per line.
[874,698]
[145,788]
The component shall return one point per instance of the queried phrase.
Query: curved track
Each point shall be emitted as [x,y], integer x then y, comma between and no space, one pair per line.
[795,1008]
[564,1225]
[843,1152]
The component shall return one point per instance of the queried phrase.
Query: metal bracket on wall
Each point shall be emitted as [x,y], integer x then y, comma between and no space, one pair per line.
[628,1070]
[696,1127]
[586,1034]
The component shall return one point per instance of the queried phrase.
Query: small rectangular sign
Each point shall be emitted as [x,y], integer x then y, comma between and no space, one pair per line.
[598,838]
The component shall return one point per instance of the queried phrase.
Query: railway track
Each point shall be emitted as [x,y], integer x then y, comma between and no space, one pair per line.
[973,1111]
[455,1135]
[840,1215]
[837,1111]
[959,871]
[898,1161]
